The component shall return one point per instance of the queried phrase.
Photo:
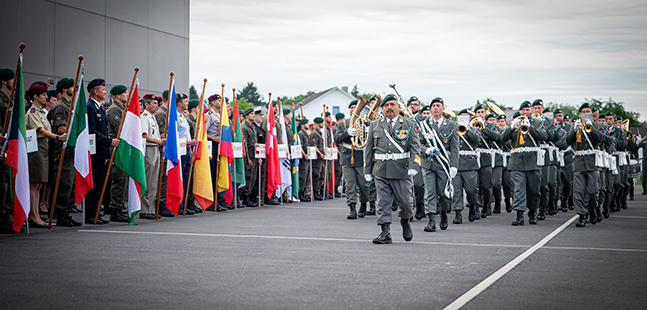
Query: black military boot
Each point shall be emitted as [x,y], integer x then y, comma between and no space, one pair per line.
[362,210]
[443,220]
[484,211]
[551,208]
[581,222]
[431,226]
[459,217]
[532,216]
[477,214]
[63,219]
[394,207]
[598,214]
[385,236]
[564,207]
[420,212]
[605,210]
[353,212]
[488,207]
[593,218]
[407,233]
[371,210]
[471,216]
[542,214]
[519,220]
[508,205]
[497,206]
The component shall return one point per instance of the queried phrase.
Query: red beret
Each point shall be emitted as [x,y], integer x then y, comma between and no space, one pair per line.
[159,98]
[214,97]
[150,96]
[37,89]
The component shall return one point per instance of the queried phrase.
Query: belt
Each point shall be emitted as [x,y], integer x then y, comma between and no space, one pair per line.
[525,149]
[395,156]
[151,145]
[585,152]
[474,153]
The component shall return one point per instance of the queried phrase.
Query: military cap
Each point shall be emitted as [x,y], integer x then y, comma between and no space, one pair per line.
[318,120]
[388,98]
[213,97]
[525,104]
[538,102]
[352,103]
[258,111]
[6,74]
[159,98]
[37,88]
[567,117]
[150,96]
[490,115]
[165,94]
[118,90]
[437,99]
[96,82]
[516,114]
[593,109]
[584,105]
[478,107]
[618,118]
[51,93]
[609,114]
[374,97]
[287,111]
[426,108]
[303,121]
[64,83]
[546,110]
[248,111]
[462,111]
[227,99]
[193,103]
[558,111]
[274,102]
[413,98]
[180,96]
[328,114]
[501,116]
[339,115]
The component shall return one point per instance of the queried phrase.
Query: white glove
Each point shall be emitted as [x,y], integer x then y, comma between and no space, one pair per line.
[432,150]
[515,123]
[351,131]
[368,177]
[577,123]
[453,171]
[590,122]
[412,172]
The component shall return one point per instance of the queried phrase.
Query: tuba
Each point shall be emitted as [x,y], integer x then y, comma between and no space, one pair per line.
[359,122]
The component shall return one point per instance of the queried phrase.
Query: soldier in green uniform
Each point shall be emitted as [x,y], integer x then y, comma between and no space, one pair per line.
[251,163]
[497,170]
[6,210]
[418,181]
[191,118]
[524,167]
[340,118]
[506,178]
[467,176]
[304,163]
[566,160]
[316,140]
[118,179]
[488,135]
[352,161]
[549,169]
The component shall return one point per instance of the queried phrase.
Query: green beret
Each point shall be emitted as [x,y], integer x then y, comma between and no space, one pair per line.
[478,107]
[352,103]
[584,105]
[426,108]
[318,120]
[274,102]
[247,111]
[227,99]
[558,111]
[165,94]
[516,114]
[413,98]
[490,115]
[538,102]
[437,99]
[593,109]
[286,111]
[525,104]
[339,115]
[193,103]
[462,111]
[609,114]
[567,117]
[388,98]
[327,113]
[64,83]
[502,116]
[374,97]
[118,90]
[546,110]
[303,121]
[618,118]
[6,74]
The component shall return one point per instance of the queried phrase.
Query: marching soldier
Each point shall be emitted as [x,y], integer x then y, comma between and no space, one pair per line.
[525,158]
[623,166]
[488,136]
[352,161]
[562,129]
[418,181]
[497,169]
[119,179]
[549,169]
[317,164]
[251,164]
[440,164]
[339,117]
[390,156]
[467,176]
[304,164]
[154,141]
[506,178]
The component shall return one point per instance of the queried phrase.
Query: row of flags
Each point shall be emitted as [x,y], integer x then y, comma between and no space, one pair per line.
[282,173]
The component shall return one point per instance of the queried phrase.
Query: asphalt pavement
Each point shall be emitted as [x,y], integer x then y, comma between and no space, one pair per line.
[309,256]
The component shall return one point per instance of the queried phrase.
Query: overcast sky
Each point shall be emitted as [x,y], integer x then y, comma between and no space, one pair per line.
[560,51]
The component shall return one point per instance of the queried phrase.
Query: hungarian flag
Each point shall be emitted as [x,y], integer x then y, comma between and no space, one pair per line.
[129,156]
[17,154]
[226,157]
[272,151]
[286,169]
[202,187]
[174,186]
[239,163]
[79,138]
[295,162]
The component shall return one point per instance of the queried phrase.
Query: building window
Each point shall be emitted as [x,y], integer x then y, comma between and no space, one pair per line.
[335,110]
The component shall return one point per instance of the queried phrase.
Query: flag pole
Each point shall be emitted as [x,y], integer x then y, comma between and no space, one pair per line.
[13,92]
[67,127]
[233,90]
[332,163]
[200,110]
[325,184]
[301,108]
[162,162]
[222,106]
[295,133]
[280,108]
[269,101]
[114,150]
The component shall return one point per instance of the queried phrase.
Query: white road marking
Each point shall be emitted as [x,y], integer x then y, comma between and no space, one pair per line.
[629,217]
[593,249]
[483,285]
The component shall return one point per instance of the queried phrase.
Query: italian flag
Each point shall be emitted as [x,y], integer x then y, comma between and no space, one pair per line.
[79,138]
[129,156]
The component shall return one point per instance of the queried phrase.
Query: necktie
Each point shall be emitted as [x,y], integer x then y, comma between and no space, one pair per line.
[437,124]
[391,124]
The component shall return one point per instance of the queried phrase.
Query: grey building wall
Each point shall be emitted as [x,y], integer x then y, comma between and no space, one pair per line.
[114,36]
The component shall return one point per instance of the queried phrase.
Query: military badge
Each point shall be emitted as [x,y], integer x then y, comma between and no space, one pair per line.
[401,134]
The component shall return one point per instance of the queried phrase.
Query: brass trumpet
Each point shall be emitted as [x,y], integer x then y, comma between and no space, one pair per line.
[524,128]
[476,123]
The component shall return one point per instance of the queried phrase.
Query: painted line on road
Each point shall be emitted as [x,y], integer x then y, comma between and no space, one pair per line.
[593,249]
[483,285]
[629,217]
[292,238]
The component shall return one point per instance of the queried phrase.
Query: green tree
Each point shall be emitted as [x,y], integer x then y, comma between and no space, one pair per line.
[488,99]
[567,109]
[244,105]
[617,107]
[355,91]
[193,94]
[250,94]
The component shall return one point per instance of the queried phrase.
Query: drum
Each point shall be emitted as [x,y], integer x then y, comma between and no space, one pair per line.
[634,168]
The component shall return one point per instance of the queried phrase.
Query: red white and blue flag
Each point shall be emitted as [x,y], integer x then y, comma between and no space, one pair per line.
[174,186]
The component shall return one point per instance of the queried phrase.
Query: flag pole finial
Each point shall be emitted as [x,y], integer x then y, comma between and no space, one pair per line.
[81,57]
[136,68]
[22,46]
[171,73]
[205,80]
